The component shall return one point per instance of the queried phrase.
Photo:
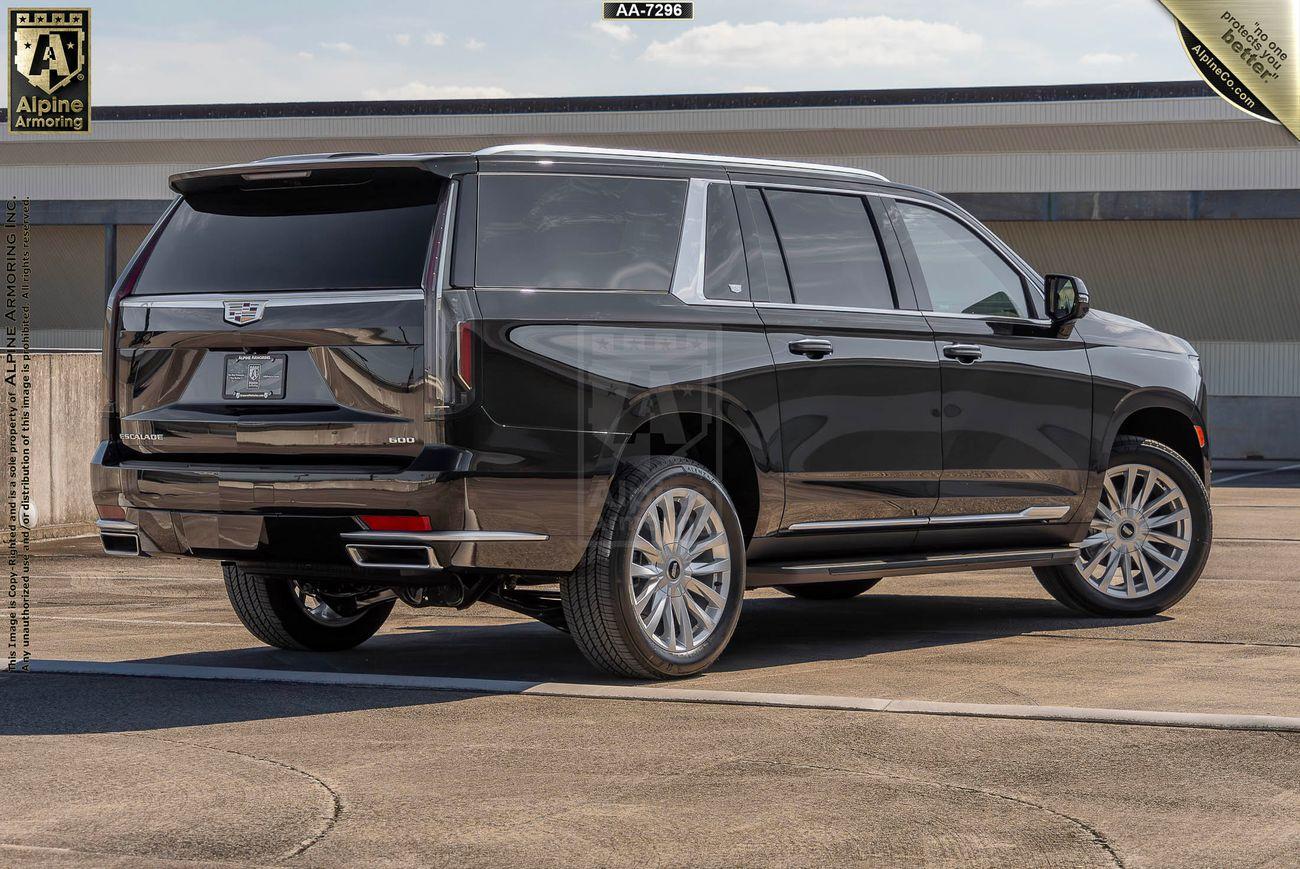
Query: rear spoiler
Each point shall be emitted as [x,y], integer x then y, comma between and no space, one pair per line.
[295,172]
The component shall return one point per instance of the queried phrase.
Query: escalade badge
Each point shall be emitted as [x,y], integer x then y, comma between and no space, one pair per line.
[242,313]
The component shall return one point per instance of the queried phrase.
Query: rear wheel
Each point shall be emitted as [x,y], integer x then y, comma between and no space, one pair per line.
[1148,539]
[289,613]
[658,592]
[828,590]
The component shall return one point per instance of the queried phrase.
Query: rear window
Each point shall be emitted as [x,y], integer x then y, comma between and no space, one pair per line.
[583,233]
[366,236]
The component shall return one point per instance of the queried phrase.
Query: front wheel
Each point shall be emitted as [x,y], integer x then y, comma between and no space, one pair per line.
[1148,540]
[658,592]
[289,613]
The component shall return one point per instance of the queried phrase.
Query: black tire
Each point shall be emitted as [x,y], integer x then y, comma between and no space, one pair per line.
[1067,584]
[597,600]
[269,608]
[828,590]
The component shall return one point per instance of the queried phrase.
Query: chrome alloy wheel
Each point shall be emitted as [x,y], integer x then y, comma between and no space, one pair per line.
[680,570]
[1140,534]
[319,610]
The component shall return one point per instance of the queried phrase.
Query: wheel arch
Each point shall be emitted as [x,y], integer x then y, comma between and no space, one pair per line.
[1164,416]
[729,445]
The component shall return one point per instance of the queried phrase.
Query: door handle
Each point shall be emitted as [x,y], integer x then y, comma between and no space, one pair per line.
[813,348]
[964,353]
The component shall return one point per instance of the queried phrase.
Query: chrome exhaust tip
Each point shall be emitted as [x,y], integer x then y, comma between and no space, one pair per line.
[391,556]
[122,543]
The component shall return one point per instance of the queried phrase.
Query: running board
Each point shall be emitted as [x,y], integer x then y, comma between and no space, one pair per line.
[792,573]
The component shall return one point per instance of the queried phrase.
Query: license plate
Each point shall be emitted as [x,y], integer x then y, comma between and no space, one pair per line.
[255,376]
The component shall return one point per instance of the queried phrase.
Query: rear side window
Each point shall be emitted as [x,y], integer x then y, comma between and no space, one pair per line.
[962,273]
[582,233]
[831,250]
[765,256]
[724,254]
[363,237]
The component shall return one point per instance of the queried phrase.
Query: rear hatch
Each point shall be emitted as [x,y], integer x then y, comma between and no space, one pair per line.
[279,317]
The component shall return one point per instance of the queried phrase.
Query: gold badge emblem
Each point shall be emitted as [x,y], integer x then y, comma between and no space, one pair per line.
[49,76]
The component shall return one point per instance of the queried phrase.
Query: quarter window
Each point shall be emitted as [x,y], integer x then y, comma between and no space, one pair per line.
[831,250]
[571,232]
[962,273]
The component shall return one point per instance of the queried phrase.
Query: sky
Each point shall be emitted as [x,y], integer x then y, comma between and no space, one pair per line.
[185,51]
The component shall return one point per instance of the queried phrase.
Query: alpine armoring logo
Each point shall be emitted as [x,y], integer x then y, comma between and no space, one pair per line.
[49,76]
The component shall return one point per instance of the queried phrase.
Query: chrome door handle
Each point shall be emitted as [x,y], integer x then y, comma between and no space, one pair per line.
[965,353]
[813,348]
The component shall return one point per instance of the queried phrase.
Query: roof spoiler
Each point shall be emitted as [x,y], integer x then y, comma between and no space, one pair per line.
[300,171]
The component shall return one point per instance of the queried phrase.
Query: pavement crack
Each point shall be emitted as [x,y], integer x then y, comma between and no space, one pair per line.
[1095,836]
[336,801]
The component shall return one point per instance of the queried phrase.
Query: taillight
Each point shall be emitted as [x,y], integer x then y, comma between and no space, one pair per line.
[395,523]
[465,355]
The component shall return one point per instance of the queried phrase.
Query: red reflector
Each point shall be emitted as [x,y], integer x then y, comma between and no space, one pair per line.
[110,511]
[465,355]
[396,523]
[1200,435]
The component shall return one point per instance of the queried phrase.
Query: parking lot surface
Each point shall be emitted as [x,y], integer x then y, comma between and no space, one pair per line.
[122,770]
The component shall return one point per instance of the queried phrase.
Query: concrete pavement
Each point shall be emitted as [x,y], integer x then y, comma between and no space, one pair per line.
[101,769]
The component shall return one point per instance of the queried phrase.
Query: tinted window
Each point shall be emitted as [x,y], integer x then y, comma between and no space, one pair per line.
[566,232]
[291,240]
[767,249]
[962,273]
[724,255]
[831,250]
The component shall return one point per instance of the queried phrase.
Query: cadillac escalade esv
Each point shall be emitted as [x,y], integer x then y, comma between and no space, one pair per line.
[614,389]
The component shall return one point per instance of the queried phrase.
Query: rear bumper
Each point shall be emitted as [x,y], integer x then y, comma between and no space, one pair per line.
[306,515]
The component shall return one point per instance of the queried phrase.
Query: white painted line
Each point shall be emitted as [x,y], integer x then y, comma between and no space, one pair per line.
[1149,718]
[137,621]
[1233,477]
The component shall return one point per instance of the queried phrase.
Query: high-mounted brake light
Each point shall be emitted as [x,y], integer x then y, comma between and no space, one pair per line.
[465,355]
[395,523]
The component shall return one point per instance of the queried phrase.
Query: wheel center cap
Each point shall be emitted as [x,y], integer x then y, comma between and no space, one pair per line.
[674,570]
[1127,530]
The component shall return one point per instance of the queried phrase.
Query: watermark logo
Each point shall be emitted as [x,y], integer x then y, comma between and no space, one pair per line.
[49,76]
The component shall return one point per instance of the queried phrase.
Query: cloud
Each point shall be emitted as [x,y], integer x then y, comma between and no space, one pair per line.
[756,89]
[305,55]
[473,44]
[1104,58]
[437,40]
[878,41]
[402,39]
[416,90]
[340,47]
[617,32]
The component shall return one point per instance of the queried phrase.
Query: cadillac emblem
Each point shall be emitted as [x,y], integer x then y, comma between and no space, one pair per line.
[243,313]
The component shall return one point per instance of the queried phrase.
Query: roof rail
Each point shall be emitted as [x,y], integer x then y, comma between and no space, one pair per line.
[541,148]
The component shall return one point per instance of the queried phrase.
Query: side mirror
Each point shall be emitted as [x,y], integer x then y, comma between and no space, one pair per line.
[1067,299]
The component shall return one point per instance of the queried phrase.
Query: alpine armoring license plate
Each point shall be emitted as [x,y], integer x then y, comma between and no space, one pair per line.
[255,375]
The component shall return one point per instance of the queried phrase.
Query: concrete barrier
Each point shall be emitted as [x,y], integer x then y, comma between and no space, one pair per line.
[64,433]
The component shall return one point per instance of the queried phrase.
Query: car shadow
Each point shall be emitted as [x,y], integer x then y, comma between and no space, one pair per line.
[774,632]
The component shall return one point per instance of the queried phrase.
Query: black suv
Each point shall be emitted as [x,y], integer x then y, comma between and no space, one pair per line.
[614,389]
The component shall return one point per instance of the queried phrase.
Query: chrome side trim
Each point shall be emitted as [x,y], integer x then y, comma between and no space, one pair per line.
[1029,514]
[545,149]
[425,537]
[972,558]
[908,522]
[272,299]
[794,306]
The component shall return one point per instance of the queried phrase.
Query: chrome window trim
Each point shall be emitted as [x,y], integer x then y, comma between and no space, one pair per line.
[671,156]
[1040,513]
[272,298]
[909,312]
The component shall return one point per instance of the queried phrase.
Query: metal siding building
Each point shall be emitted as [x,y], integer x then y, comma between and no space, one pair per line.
[1177,209]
